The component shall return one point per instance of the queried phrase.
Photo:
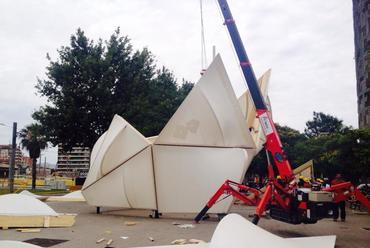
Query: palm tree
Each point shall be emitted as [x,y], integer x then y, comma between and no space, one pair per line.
[33,141]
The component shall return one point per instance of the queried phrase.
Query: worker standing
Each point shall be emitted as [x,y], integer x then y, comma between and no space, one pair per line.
[339,202]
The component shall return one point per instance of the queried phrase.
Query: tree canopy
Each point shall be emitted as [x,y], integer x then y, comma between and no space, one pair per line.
[323,124]
[333,146]
[91,81]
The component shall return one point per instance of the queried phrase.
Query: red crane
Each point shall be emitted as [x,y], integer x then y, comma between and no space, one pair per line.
[282,198]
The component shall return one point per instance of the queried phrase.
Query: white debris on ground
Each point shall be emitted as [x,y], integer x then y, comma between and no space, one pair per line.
[237,232]
[23,205]
[73,196]
[16,244]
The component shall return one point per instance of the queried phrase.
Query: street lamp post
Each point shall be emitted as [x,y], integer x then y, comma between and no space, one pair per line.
[12,159]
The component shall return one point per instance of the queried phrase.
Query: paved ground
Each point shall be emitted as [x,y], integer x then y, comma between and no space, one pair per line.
[89,227]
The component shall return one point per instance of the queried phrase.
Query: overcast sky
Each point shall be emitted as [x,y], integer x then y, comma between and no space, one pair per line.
[308,45]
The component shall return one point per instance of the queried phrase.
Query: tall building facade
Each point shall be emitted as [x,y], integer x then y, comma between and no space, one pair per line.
[361,24]
[22,163]
[74,163]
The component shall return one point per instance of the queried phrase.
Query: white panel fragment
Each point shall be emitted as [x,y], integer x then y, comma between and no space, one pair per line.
[23,205]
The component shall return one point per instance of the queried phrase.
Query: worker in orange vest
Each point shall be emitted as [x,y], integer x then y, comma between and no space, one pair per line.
[339,201]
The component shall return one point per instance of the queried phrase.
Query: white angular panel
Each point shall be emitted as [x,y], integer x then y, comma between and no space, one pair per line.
[108,191]
[119,143]
[209,116]
[131,185]
[126,144]
[186,177]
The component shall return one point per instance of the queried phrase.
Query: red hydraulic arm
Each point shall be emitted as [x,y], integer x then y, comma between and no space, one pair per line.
[352,191]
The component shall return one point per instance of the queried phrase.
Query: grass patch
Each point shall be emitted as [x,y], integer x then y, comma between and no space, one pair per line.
[37,191]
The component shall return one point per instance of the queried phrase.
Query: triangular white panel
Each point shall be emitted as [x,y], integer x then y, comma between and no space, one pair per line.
[108,191]
[209,116]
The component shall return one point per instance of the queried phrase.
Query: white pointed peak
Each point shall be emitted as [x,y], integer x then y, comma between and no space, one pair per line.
[246,102]
[209,116]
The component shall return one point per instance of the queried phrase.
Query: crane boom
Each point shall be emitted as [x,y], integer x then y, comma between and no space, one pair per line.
[273,144]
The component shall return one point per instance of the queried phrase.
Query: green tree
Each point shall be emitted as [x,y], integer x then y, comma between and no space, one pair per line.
[33,141]
[324,124]
[92,81]
[352,154]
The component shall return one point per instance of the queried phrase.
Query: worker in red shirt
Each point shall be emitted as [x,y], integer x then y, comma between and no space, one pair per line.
[339,201]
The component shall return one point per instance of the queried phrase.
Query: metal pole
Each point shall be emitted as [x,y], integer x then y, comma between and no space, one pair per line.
[44,166]
[12,159]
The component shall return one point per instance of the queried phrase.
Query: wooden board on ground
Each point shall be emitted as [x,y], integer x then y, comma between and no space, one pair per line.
[62,220]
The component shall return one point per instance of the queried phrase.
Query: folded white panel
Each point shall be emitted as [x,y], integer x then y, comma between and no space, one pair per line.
[126,144]
[131,185]
[209,116]
[186,177]
[94,170]
[249,110]
[118,144]
[22,205]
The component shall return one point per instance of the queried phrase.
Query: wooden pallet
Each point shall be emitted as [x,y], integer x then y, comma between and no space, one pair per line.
[61,220]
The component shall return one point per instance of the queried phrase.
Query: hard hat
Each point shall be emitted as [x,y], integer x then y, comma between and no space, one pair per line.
[301,177]
[306,179]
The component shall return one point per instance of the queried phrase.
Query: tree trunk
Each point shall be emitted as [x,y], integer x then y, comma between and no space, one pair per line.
[34,173]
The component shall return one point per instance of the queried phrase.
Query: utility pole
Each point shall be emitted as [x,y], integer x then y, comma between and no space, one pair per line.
[12,159]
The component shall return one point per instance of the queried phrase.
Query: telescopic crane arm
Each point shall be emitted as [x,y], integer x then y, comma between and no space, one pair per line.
[273,143]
